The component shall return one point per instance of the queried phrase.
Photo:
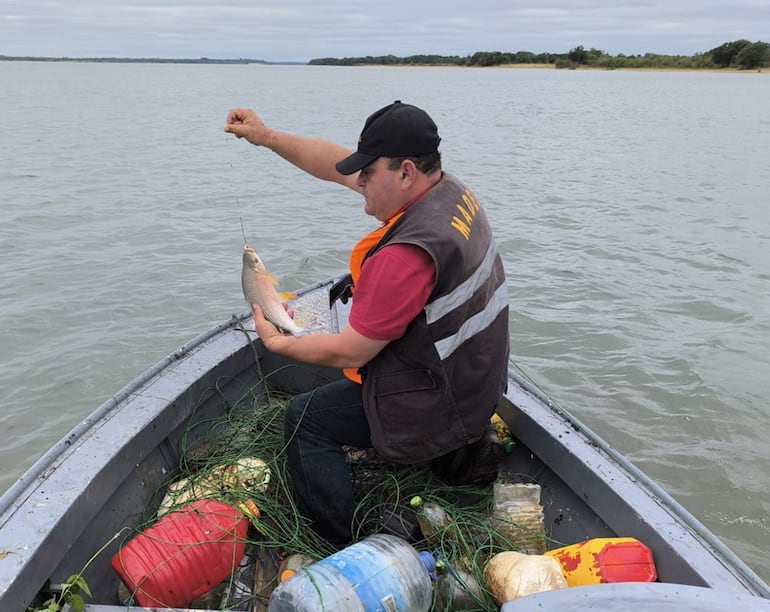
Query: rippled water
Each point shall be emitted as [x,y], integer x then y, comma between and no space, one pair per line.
[631,210]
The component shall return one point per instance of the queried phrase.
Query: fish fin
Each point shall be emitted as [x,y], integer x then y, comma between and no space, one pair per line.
[286,296]
[273,280]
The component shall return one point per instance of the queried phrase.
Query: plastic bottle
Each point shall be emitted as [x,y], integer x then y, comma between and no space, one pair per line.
[381,572]
[239,588]
[517,517]
[510,575]
[429,561]
[434,522]
[456,589]
[292,564]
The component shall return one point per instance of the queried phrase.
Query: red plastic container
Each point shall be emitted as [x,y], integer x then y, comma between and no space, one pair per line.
[184,555]
[605,560]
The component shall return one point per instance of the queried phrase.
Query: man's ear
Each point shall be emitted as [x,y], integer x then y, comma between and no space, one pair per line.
[408,169]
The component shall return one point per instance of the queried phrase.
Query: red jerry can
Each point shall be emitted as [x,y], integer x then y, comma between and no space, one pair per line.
[184,555]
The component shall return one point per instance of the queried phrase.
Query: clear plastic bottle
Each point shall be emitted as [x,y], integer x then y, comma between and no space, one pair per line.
[381,572]
[456,589]
[292,564]
[239,588]
[517,517]
[434,522]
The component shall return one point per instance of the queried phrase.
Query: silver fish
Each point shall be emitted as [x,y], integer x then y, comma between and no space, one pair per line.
[259,288]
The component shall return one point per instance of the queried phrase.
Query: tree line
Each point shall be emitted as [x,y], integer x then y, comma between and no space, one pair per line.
[739,54]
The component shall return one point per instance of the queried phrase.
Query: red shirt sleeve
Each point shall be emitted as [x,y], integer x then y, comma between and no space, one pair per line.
[393,288]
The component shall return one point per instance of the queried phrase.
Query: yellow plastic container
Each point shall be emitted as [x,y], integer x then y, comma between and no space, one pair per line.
[605,560]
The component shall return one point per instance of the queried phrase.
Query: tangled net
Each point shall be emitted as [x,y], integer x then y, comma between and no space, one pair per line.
[253,428]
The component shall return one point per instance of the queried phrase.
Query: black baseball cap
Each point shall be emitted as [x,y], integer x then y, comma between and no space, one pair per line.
[396,130]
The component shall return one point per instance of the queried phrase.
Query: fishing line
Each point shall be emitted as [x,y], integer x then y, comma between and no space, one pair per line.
[243,231]
[240,218]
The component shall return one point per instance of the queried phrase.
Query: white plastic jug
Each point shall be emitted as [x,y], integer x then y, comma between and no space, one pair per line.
[381,572]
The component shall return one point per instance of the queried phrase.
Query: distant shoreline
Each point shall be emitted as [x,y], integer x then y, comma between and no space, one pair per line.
[599,68]
[142,60]
[243,61]
[553,67]
[736,56]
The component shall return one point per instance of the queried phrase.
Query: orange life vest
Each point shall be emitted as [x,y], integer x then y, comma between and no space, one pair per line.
[356,262]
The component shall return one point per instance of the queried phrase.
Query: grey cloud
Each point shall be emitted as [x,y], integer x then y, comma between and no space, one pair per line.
[304,29]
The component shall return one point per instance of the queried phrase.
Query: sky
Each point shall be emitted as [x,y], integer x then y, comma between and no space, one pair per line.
[301,30]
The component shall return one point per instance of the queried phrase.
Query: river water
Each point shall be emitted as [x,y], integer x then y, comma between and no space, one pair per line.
[631,209]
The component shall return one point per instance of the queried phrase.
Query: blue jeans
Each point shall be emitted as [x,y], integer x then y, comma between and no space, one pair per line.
[317,425]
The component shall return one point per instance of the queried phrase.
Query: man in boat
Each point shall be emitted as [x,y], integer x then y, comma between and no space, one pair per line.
[425,349]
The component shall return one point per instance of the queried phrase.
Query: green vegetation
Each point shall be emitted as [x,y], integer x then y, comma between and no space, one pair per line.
[740,54]
[480,58]
[737,55]
[68,593]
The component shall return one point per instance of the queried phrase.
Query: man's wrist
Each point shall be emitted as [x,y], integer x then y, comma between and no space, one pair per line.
[271,142]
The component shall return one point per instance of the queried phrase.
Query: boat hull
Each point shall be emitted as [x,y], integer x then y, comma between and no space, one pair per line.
[100,478]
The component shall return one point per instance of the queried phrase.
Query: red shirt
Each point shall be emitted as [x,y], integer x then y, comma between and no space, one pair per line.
[393,288]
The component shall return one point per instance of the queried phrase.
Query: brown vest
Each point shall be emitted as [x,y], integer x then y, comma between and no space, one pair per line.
[434,389]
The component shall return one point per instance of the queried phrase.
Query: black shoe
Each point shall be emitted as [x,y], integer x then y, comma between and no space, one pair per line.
[477,463]
[402,523]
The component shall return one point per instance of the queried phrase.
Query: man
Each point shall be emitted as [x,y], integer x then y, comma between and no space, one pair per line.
[425,349]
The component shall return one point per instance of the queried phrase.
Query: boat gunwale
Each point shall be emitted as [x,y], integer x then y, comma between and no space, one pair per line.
[601,464]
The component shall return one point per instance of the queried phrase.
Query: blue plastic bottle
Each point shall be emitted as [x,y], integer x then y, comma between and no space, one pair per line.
[380,573]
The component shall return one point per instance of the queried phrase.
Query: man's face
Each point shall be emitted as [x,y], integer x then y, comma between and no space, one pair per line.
[382,190]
